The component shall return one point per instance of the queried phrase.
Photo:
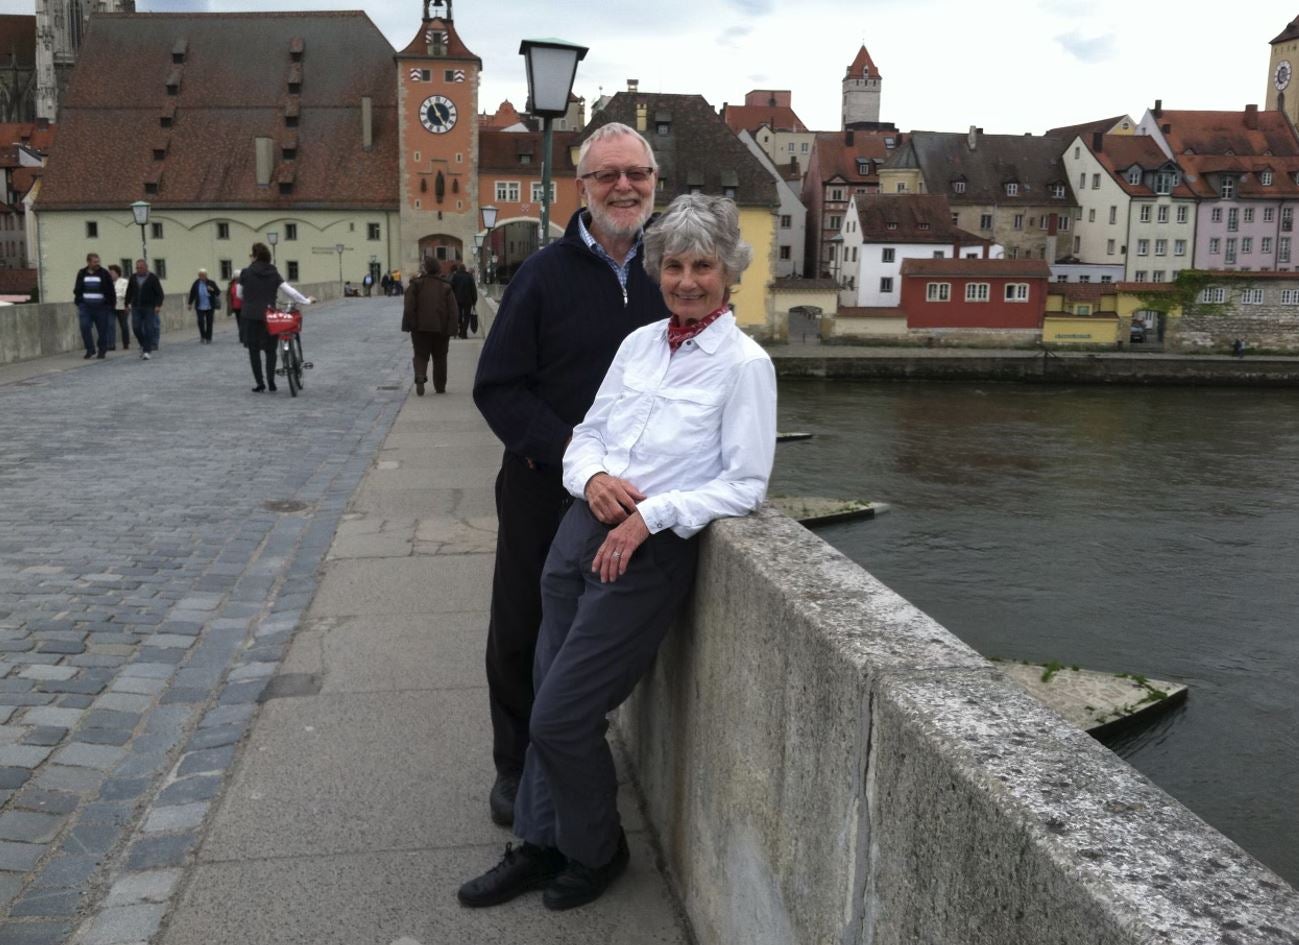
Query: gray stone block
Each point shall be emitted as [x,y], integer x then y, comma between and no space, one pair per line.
[200,787]
[162,850]
[48,903]
[178,817]
[29,826]
[20,857]
[151,886]
[23,756]
[83,755]
[35,933]
[123,925]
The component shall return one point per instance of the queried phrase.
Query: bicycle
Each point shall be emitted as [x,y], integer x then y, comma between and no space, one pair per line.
[286,325]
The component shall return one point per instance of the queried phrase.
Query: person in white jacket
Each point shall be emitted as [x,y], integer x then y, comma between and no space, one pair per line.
[682,431]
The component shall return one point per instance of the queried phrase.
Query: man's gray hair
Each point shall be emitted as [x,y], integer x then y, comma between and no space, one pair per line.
[613,130]
[698,223]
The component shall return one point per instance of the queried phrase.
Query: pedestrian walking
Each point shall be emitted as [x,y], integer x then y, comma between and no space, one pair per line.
[560,322]
[95,297]
[204,298]
[429,314]
[682,432]
[385,284]
[261,282]
[466,292]
[367,283]
[144,296]
[123,322]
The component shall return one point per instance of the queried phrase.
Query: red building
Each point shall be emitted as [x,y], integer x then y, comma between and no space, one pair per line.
[974,293]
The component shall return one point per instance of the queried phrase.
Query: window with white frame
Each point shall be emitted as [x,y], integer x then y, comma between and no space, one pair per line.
[1082,180]
[1213,295]
[1096,182]
[985,221]
[1144,214]
[1179,247]
[1290,296]
[1283,249]
[1084,278]
[886,283]
[1251,296]
[1161,247]
[1134,175]
[888,254]
[938,291]
[1181,213]
[1229,255]
[1233,219]
[1215,215]
[1057,191]
[1157,276]
[536,191]
[977,291]
[1140,275]
[1107,278]
[1228,188]
[1091,215]
[507,190]
[1265,245]
[786,221]
[1063,220]
[1012,189]
[1265,178]
[1109,247]
[1215,246]
[1016,291]
[834,222]
[1019,221]
[1165,181]
[1246,244]
[1249,214]
[1114,214]
[1269,214]
[1143,247]
[958,186]
[1161,215]
[836,193]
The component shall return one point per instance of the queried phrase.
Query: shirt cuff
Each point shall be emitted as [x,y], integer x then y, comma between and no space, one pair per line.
[658,513]
[581,476]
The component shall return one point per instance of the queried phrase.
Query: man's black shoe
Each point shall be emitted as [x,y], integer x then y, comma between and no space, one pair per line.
[577,884]
[502,797]
[527,867]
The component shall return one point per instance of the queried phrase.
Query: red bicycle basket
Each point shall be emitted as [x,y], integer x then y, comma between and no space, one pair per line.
[282,323]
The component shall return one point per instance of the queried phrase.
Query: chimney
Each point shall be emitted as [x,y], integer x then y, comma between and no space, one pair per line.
[367,122]
[1158,110]
[974,138]
[633,85]
[264,149]
[848,138]
[1098,141]
[1251,117]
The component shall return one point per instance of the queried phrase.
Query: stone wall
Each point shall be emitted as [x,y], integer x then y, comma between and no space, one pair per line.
[1271,329]
[822,762]
[48,328]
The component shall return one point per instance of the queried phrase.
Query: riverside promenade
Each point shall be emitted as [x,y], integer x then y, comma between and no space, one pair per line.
[242,655]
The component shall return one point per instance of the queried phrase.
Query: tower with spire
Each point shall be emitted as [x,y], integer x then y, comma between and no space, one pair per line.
[1282,93]
[861,91]
[437,108]
[60,27]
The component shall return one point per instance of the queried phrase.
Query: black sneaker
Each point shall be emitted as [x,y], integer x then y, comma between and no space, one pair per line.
[520,870]
[501,800]
[578,884]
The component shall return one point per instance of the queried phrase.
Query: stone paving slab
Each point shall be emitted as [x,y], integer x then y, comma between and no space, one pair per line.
[399,586]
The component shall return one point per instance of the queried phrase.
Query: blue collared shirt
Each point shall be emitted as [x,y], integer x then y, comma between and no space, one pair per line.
[620,269]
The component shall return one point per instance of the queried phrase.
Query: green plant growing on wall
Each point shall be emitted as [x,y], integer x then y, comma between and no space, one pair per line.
[1183,294]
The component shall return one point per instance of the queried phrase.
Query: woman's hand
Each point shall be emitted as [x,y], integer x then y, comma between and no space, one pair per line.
[611,499]
[614,553]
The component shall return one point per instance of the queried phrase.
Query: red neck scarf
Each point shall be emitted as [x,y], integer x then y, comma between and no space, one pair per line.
[679,334]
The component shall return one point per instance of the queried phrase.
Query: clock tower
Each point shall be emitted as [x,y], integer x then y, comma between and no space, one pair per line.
[437,109]
[1282,85]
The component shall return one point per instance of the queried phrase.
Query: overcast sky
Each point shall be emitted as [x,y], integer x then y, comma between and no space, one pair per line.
[946,64]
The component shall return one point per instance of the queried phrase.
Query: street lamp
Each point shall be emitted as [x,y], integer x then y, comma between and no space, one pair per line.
[272,237]
[552,66]
[338,248]
[140,210]
[479,239]
[489,223]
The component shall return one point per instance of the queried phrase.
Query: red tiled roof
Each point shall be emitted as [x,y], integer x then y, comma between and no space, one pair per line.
[1082,291]
[909,218]
[751,117]
[22,178]
[500,150]
[1212,142]
[234,89]
[835,157]
[1120,152]
[862,65]
[990,268]
[456,49]
[506,115]
[35,136]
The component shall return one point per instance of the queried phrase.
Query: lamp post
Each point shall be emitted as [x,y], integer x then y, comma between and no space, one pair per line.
[140,210]
[272,237]
[552,66]
[479,239]
[489,223]
[338,248]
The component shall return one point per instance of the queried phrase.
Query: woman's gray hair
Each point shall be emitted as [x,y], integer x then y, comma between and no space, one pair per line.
[698,223]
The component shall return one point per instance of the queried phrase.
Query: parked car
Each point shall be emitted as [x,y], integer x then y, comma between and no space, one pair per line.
[1137,334]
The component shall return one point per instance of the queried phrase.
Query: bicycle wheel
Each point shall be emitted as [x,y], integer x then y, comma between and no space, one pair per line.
[290,371]
[298,360]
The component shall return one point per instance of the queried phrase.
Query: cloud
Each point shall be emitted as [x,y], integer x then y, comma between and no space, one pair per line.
[1096,49]
[732,35]
[753,7]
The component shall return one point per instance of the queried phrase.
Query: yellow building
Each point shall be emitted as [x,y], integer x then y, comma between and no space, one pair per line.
[1081,313]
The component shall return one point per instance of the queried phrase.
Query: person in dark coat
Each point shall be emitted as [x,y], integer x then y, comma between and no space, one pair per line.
[144,297]
[466,292]
[430,315]
[95,296]
[204,298]
[260,282]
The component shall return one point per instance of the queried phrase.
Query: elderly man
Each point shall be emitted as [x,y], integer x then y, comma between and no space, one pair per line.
[204,298]
[96,297]
[560,323]
[144,297]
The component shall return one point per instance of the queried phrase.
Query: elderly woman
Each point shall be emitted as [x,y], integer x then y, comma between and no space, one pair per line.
[682,431]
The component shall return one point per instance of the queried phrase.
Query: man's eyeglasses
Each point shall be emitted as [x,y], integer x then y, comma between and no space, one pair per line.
[610,175]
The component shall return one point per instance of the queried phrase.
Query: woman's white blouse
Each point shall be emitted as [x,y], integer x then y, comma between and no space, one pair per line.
[695,431]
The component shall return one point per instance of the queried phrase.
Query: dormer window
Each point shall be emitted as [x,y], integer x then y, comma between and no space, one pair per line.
[728,192]
[890,144]
[1165,181]
[863,167]
[1134,175]
[958,186]
[1012,189]
[922,226]
[525,157]
[890,226]
[1265,178]
[1057,191]
[1228,188]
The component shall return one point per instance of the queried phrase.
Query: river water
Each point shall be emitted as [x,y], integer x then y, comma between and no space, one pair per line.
[1140,530]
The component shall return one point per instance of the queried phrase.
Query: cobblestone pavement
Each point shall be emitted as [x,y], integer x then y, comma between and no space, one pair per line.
[160,531]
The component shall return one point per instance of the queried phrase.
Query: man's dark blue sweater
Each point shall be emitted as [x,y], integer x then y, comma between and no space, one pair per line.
[559,325]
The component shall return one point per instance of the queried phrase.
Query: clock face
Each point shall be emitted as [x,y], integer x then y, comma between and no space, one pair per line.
[1282,77]
[438,114]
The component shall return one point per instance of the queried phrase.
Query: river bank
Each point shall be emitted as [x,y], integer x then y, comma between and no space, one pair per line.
[1032,366]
